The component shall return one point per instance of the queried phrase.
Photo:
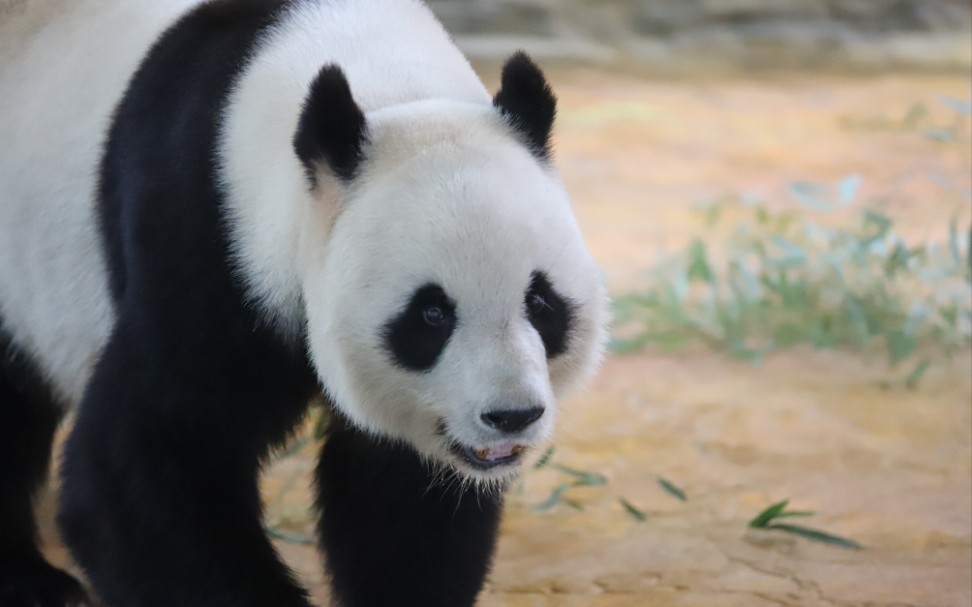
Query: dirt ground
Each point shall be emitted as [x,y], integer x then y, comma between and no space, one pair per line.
[889,468]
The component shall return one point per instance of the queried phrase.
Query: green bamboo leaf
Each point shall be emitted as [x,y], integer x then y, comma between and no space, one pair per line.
[556,497]
[793,254]
[900,345]
[672,490]
[881,222]
[545,458]
[762,216]
[960,106]
[763,518]
[968,252]
[627,346]
[916,114]
[795,513]
[848,188]
[713,214]
[817,536]
[810,195]
[939,134]
[919,370]
[953,241]
[699,267]
[638,514]
[583,478]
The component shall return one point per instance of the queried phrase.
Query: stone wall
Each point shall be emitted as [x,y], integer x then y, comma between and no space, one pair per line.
[685,34]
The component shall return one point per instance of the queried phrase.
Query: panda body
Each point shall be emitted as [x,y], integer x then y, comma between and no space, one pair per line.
[213,211]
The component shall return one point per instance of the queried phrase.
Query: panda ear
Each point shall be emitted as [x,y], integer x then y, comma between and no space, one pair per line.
[332,130]
[526,101]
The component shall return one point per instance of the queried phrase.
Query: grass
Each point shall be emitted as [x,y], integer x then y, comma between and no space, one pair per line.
[785,277]
[787,273]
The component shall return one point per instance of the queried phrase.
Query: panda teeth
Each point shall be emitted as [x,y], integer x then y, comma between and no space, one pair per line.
[482,453]
[518,450]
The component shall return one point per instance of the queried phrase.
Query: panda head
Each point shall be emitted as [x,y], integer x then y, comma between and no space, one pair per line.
[450,300]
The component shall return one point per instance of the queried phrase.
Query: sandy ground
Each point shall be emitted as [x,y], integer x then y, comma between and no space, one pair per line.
[889,468]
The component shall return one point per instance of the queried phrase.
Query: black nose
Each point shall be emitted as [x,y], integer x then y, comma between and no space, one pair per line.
[511,420]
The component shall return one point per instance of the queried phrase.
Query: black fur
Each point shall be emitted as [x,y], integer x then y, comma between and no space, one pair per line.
[511,421]
[552,315]
[413,341]
[393,534]
[332,128]
[160,504]
[527,101]
[29,416]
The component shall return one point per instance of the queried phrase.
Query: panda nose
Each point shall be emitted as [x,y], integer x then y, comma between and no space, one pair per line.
[511,420]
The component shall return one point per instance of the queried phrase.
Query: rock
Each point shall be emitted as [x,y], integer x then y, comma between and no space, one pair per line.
[684,34]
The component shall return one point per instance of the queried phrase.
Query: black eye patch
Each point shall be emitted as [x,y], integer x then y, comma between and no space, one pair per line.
[416,337]
[549,313]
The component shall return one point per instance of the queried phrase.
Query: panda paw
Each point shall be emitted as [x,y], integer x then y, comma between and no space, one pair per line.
[39,584]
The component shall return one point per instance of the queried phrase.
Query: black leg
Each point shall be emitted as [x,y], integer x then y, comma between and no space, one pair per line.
[392,534]
[160,503]
[28,420]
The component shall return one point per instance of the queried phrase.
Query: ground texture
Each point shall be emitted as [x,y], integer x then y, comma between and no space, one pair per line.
[890,468]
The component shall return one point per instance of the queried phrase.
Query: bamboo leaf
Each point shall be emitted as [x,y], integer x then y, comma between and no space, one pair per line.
[763,518]
[672,490]
[638,514]
[919,370]
[848,188]
[699,268]
[583,478]
[817,536]
[573,504]
[545,458]
[795,513]
[556,497]
[900,345]
[960,106]
[810,195]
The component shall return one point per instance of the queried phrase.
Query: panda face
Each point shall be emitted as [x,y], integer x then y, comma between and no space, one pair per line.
[452,303]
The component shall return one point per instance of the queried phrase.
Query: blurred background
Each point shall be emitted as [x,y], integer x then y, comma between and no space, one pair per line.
[779,194]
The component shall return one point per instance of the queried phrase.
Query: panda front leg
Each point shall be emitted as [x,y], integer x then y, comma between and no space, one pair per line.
[160,503]
[394,532]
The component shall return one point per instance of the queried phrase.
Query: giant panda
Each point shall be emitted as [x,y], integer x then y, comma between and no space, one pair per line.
[212,213]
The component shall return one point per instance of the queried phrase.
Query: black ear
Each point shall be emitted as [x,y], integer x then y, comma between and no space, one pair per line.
[332,128]
[525,99]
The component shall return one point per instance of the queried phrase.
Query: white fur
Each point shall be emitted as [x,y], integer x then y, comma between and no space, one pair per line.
[63,66]
[392,52]
[447,195]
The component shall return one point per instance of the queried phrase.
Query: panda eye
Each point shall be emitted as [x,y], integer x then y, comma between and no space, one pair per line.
[535,303]
[433,316]
[417,335]
[550,313]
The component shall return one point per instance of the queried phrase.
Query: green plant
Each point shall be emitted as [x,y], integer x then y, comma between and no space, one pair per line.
[768,517]
[787,274]
[784,277]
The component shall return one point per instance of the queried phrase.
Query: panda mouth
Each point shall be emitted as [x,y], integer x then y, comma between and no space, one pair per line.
[487,458]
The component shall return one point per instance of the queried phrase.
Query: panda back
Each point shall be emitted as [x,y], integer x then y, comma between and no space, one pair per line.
[65,66]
